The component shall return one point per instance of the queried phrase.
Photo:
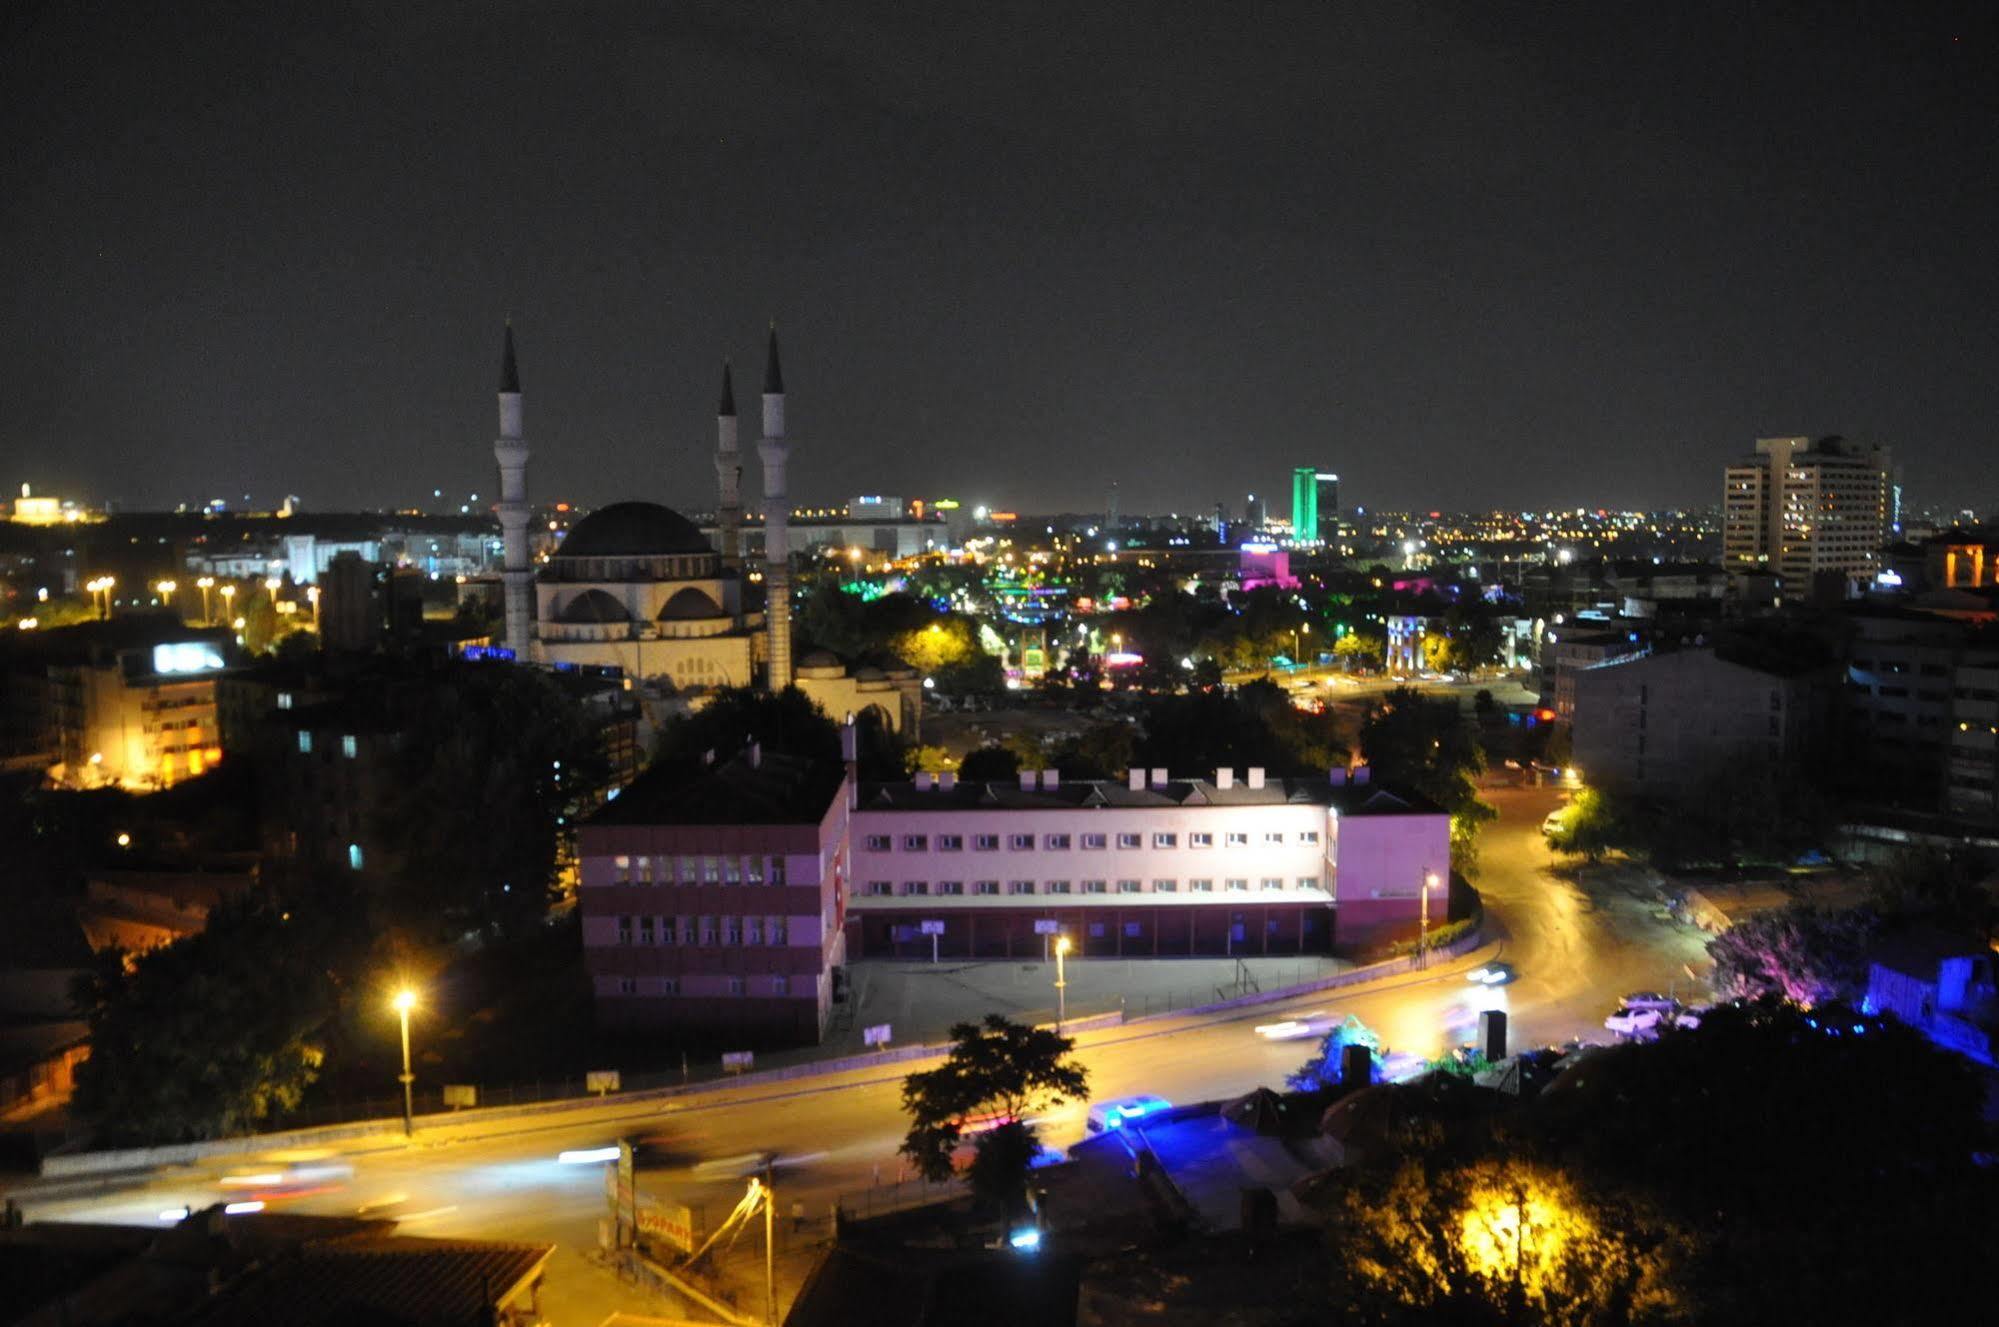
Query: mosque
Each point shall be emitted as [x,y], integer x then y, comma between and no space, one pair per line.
[637,587]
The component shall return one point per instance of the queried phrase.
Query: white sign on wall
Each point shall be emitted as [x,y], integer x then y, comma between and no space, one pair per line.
[931,928]
[875,1036]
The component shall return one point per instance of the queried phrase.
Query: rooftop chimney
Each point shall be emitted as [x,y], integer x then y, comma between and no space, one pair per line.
[1337,776]
[1225,778]
[1135,779]
[947,780]
[1027,779]
[1160,778]
[923,780]
[1362,774]
[1051,779]
[1255,779]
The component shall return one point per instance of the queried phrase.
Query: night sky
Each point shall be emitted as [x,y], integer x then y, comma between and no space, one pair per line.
[1467,256]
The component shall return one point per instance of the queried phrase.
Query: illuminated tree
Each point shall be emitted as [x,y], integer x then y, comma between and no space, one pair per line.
[997,1070]
[1801,952]
[1498,1241]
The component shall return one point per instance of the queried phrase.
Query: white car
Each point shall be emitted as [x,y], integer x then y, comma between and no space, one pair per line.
[1294,1029]
[1116,1114]
[1635,1022]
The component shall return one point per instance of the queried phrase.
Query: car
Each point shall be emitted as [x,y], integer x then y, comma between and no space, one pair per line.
[1491,974]
[1555,821]
[1652,1000]
[1635,1022]
[1293,1029]
[1110,1115]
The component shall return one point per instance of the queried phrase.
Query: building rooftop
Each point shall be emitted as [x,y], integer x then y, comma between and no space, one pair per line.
[1088,794]
[770,789]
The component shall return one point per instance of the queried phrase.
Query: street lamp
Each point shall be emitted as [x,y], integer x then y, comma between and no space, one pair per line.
[1423,923]
[228,593]
[312,596]
[166,590]
[1061,982]
[404,1002]
[205,584]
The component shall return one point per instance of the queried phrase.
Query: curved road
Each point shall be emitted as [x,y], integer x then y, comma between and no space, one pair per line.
[836,1135]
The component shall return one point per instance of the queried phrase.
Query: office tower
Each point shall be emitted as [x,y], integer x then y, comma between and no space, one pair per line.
[1806,511]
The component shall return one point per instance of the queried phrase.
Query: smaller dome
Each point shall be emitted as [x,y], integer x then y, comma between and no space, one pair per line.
[820,659]
[593,606]
[868,673]
[689,605]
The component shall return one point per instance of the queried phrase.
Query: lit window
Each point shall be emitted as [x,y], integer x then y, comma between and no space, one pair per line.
[353,856]
[304,742]
[348,746]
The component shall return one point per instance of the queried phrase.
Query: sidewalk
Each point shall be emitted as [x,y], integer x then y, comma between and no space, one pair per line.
[921,1001]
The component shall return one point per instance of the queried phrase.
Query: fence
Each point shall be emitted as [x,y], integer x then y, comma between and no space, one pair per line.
[882,1199]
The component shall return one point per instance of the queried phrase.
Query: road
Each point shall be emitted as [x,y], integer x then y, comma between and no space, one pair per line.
[836,1135]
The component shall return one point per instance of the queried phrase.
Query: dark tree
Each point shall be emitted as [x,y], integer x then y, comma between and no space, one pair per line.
[788,722]
[1800,952]
[212,1035]
[989,764]
[1428,747]
[492,764]
[1000,1070]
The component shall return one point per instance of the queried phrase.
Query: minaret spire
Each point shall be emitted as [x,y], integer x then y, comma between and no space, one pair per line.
[775,452]
[728,475]
[510,450]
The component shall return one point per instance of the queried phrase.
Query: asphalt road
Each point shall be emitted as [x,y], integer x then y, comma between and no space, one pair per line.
[1573,957]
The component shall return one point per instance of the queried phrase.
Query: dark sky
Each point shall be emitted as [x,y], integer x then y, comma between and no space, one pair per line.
[1468,256]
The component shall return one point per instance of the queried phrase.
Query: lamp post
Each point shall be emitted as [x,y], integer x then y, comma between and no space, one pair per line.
[205,584]
[1423,923]
[1061,982]
[404,1002]
[228,593]
[312,594]
[166,590]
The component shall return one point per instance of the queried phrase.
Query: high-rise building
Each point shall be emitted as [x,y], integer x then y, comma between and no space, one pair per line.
[1315,504]
[1252,512]
[1805,511]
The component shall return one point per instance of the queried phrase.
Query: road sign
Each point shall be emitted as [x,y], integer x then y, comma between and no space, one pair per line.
[931,928]
[876,1035]
[1047,926]
[678,1225]
[601,1081]
[460,1094]
[737,1061]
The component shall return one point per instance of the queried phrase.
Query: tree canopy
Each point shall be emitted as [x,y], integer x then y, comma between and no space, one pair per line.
[1428,746]
[1000,1070]
[215,1034]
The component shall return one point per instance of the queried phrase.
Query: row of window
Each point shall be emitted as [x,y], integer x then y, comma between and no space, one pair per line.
[671,986]
[349,747]
[922,888]
[1090,842]
[698,870]
[707,931]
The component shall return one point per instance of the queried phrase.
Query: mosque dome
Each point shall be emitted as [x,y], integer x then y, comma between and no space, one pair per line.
[633,530]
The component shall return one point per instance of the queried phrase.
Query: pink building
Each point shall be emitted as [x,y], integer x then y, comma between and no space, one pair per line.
[1266,564]
[1154,866]
[717,903]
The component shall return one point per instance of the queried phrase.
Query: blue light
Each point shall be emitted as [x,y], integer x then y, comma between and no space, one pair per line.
[1027,1239]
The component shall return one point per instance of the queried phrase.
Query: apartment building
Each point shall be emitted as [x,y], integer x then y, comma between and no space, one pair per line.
[1814,514]
[1920,714]
[1657,724]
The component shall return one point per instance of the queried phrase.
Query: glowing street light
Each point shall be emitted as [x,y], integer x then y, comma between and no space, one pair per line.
[312,597]
[404,1002]
[205,584]
[1062,947]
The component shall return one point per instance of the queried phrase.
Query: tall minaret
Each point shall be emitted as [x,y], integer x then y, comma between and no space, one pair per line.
[729,475]
[775,451]
[510,449]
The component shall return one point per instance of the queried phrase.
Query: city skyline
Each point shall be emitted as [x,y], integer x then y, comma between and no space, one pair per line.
[1014,254]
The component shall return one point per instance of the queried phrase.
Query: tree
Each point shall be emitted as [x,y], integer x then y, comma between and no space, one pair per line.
[215,1034]
[1428,747]
[1800,952]
[1101,751]
[1590,826]
[492,762]
[1498,1241]
[989,764]
[996,1069]
[1935,886]
[788,722]
[1322,1071]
